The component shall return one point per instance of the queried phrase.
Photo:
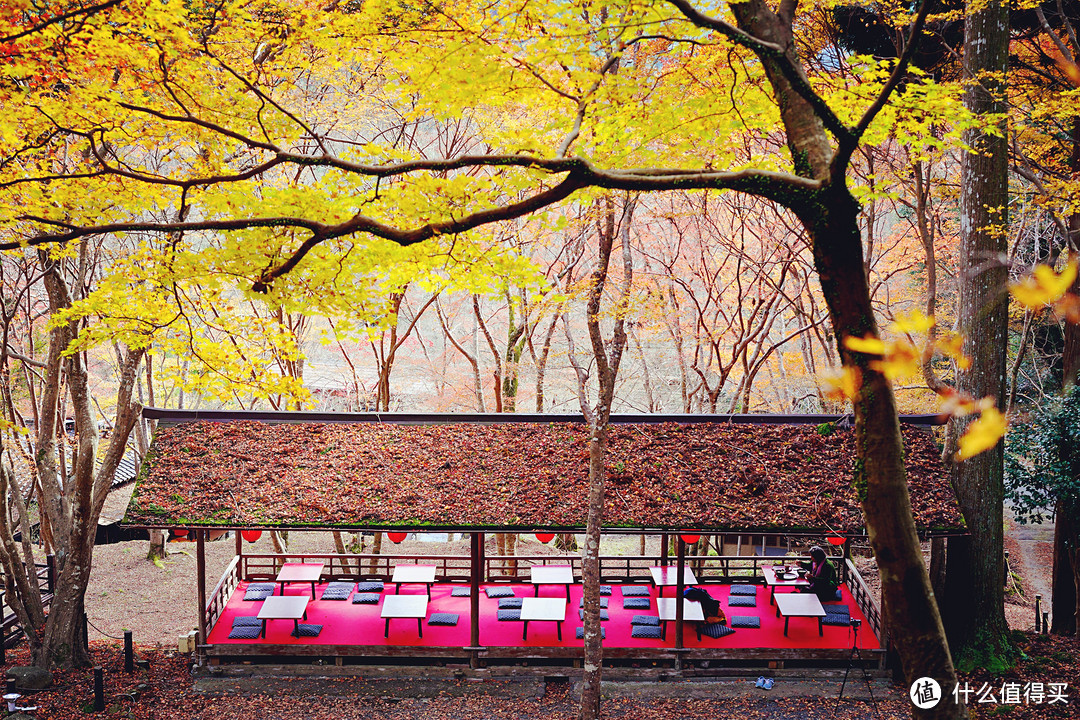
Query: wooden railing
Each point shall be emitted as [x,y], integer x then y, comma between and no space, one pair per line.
[508,568]
[219,598]
[448,568]
[11,630]
[866,601]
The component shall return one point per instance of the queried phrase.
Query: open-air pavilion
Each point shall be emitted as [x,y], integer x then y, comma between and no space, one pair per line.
[725,476]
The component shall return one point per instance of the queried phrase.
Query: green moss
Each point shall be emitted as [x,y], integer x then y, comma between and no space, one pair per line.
[989,651]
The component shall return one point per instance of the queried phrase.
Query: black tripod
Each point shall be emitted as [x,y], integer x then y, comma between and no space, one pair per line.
[855,653]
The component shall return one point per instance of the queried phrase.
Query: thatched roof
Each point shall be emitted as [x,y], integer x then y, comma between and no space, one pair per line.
[710,475]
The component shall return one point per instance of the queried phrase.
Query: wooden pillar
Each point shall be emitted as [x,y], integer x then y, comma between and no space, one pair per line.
[680,565]
[200,572]
[239,553]
[475,578]
[663,548]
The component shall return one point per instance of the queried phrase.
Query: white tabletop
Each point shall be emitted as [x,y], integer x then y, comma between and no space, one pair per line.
[799,605]
[301,572]
[543,609]
[404,606]
[282,607]
[413,574]
[691,609]
[552,574]
[773,579]
[667,575]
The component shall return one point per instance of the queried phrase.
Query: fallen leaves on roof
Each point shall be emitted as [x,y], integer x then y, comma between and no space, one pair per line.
[666,475]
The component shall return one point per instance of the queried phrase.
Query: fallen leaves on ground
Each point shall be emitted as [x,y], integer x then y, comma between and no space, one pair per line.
[665,475]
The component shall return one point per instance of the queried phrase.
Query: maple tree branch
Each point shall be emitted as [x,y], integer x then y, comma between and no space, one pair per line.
[773,52]
[846,145]
[86,11]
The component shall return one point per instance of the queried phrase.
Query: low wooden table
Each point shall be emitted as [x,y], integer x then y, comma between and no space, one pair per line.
[774,580]
[667,576]
[283,607]
[551,609]
[552,575]
[799,605]
[421,574]
[405,606]
[300,572]
[691,612]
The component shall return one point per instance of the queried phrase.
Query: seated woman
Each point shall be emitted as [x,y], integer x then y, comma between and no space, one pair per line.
[822,576]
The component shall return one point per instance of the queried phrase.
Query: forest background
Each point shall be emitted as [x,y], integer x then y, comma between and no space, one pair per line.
[210,205]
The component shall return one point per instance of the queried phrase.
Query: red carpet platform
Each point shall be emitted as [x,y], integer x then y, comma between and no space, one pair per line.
[347,624]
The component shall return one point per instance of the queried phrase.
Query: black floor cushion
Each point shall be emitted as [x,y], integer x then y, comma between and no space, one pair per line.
[833,609]
[645,631]
[248,620]
[603,615]
[635,591]
[514,602]
[370,586]
[508,614]
[460,592]
[499,592]
[245,632]
[579,633]
[716,630]
[636,603]
[603,602]
[337,591]
[257,594]
[645,620]
[262,586]
[366,598]
[741,601]
[306,630]
[743,590]
[745,621]
[605,589]
[842,619]
[443,619]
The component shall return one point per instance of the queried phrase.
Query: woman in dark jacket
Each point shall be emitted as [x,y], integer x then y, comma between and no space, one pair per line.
[821,575]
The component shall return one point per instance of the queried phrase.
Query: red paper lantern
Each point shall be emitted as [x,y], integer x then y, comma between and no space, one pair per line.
[251,535]
[836,540]
[690,539]
[545,537]
[396,537]
[180,532]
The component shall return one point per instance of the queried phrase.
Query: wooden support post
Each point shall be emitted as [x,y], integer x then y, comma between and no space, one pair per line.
[475,578]
[99,689]
[200,571]
[680,564]
[663,548]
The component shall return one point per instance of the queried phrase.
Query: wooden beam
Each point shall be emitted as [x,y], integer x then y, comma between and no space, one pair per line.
[476,573]
[680,565]
[200,572]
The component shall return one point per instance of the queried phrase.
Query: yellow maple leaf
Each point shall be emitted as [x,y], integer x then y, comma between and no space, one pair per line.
[1044,286]
[913,322]
[868,345]
[843,384]
[982,434]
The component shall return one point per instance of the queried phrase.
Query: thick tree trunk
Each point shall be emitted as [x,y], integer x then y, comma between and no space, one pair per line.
[974,602]
[1064,599]
[880,477]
